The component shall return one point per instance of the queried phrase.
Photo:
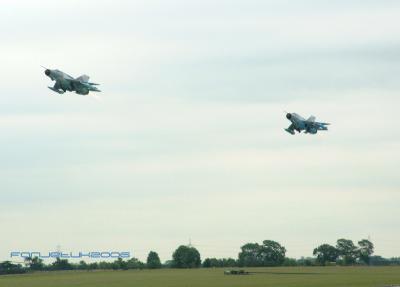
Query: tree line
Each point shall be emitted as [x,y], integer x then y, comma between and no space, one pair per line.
[266,254]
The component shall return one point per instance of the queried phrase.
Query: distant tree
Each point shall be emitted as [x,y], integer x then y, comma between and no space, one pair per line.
[347,251]
[61,264]
[119,264]
[212,262]
[326,253]
[153,260]
[249,255]
[394,261]
[379,261]
[306,261]
[207,263]
[93,266]
[27,261]
[7,267]
[290,262]
[366,249]
[36,264]
[135,263]
[223,262]
[228,262]
[168,264]
[270,253]
[104,265]
[82,265]
[186,257]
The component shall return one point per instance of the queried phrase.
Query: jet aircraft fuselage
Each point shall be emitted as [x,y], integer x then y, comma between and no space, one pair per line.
[65,82]
[298,123]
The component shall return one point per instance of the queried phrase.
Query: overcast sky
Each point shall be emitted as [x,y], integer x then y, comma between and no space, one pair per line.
[187,140]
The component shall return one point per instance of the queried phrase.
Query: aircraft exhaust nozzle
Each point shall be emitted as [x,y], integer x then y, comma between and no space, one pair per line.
[288,116]
[47,72]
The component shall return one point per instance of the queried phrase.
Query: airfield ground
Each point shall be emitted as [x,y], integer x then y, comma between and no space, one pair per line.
[274,277]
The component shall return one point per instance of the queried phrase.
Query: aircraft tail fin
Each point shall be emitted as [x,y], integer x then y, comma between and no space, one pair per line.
[83,78]
[311,119]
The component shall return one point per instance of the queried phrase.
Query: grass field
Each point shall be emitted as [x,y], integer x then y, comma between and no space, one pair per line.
[286,276]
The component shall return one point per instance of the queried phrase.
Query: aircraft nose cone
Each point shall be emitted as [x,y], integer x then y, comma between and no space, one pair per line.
[47,72]
[288,116]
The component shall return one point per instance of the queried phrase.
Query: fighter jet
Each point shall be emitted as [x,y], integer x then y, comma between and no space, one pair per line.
[65,82]
[299,124]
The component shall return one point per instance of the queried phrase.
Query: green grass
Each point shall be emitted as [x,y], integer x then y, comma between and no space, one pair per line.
[274,277]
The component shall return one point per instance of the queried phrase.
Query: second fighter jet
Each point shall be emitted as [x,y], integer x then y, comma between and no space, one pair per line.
[64,82]
[301,124]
